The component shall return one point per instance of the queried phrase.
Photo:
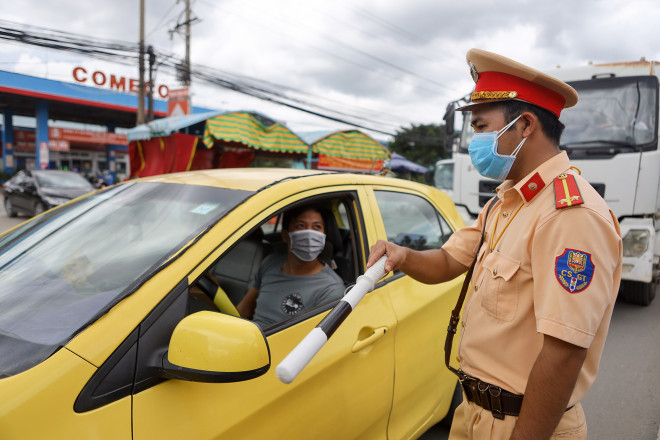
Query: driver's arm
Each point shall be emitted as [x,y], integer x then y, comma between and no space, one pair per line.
[248,303]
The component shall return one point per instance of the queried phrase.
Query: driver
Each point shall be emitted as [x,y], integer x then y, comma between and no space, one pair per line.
[290,283]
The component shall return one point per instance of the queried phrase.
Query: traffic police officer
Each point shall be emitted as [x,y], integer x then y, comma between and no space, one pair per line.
[547,272]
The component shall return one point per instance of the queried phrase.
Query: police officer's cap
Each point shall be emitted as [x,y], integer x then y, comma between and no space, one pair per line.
[499,78]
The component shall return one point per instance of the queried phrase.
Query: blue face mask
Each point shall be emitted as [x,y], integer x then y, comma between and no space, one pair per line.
[486,159]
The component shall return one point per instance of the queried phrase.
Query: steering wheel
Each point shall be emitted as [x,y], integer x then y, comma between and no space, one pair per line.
[217,295]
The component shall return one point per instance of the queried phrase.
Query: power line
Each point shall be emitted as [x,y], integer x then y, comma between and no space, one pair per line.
[126,53]
[363,53]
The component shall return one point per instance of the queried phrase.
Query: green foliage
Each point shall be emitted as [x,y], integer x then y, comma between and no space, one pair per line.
[423,144]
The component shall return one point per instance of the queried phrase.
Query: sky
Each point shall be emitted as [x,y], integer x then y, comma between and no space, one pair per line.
[392,63]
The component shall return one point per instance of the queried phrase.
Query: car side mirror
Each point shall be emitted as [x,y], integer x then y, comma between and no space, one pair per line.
[214,347]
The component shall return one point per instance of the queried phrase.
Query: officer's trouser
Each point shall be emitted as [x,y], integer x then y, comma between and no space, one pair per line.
[472,422]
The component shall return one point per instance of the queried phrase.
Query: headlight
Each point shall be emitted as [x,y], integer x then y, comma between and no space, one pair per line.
[635,243]
[55,201]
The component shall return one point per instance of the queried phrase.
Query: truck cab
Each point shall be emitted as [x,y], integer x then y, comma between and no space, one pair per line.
[611,135]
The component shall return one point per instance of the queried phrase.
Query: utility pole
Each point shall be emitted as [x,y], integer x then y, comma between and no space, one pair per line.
[140,110]
[152,60]
[187,59]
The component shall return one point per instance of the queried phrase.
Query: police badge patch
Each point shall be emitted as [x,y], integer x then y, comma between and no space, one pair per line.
[574,270]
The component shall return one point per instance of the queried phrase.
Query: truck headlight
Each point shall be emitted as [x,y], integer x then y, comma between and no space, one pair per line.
[635,243]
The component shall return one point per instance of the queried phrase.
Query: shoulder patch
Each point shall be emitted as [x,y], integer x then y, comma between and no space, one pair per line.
[574,270]
[567,192]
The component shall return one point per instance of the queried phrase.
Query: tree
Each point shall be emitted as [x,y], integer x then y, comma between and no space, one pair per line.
[423,144]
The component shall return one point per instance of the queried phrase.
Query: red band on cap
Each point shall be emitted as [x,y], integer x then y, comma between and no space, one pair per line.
[527,90]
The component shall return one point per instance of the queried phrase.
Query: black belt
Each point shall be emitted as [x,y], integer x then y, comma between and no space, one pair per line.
[488,396]
[491,397]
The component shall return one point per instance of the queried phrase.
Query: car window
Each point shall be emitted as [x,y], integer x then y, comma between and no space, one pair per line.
[70,265]
[62,179]
[412,221]
[263,251]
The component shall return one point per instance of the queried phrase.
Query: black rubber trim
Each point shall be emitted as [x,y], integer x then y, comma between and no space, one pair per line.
[171,371]
[113,381]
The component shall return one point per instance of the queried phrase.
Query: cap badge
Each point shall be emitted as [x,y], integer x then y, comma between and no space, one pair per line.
[473,72]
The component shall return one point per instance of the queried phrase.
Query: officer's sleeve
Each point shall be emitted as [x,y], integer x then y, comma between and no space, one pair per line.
[462,245]
[576,258]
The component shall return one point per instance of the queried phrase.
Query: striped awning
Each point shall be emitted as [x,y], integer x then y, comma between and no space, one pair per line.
[351,144]
[244,128]
[350,150]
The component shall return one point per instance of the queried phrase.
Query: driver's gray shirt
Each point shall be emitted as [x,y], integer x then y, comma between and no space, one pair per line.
[283,296]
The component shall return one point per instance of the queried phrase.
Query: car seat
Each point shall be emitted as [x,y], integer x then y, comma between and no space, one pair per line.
[236,270]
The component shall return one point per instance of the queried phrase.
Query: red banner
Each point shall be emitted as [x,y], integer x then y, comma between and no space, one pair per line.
[345,164]
[162,155]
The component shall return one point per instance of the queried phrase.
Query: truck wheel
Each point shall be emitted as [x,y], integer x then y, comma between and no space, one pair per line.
[637,292]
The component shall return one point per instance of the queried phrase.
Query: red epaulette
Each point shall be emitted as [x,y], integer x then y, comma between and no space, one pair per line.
[567,192]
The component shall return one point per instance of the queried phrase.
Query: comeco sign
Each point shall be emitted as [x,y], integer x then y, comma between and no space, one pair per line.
[99,78]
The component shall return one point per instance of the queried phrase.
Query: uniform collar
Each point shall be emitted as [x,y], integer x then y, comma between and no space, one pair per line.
[534,183]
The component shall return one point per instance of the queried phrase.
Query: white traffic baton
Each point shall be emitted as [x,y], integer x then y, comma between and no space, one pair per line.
[303,353]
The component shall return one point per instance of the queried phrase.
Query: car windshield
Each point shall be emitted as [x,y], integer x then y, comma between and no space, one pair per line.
[61,271]
[61,179]
[612,112]
[619,114]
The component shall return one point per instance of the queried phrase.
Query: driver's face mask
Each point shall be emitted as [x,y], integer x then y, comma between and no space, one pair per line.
[306,244]
[486,159]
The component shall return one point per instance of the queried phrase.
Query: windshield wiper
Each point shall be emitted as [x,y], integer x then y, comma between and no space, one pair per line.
[599,145]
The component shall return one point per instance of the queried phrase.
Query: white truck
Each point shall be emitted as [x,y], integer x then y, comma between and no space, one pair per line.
[611,135]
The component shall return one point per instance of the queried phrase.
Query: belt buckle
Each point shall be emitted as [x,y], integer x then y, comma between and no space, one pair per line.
[496,402]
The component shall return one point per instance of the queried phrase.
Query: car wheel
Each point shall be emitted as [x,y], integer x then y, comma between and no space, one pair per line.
[9,208]
[638,293]
[38,209]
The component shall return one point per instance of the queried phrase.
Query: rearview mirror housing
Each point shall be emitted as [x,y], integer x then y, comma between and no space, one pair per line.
[214,347]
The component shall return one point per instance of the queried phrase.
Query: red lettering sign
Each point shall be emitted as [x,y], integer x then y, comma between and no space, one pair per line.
[96,75]
[117,83]
[87,136]
[134,85]
[163,91]
[76,72]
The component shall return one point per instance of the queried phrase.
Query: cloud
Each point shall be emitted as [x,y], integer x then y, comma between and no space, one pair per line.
[402,60]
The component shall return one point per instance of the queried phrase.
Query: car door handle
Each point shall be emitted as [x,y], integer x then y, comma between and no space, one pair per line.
[373,337]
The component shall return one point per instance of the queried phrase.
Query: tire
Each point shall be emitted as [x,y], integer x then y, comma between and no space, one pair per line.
[636,292]
[456,400]
[10,209]
[38,209]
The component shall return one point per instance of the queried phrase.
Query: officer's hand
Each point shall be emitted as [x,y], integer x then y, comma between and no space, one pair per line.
[396,255]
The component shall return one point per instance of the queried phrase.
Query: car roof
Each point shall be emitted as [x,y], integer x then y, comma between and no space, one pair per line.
[254,179]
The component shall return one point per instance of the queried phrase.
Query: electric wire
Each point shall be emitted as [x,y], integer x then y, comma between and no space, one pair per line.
[127,53]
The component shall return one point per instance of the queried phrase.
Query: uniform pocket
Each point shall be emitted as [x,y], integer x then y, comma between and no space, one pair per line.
[572,426]
[499,292]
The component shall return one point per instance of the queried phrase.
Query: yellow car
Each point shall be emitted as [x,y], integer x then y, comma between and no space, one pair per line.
[104,334]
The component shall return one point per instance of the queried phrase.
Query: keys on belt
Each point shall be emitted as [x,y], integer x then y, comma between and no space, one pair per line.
[488,396]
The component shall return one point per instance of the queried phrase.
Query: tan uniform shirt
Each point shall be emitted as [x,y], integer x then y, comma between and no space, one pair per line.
[553,271]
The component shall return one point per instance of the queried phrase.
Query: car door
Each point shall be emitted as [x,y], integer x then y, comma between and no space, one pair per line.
[15,191]
[27,193]
[344,392]
[423,386]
